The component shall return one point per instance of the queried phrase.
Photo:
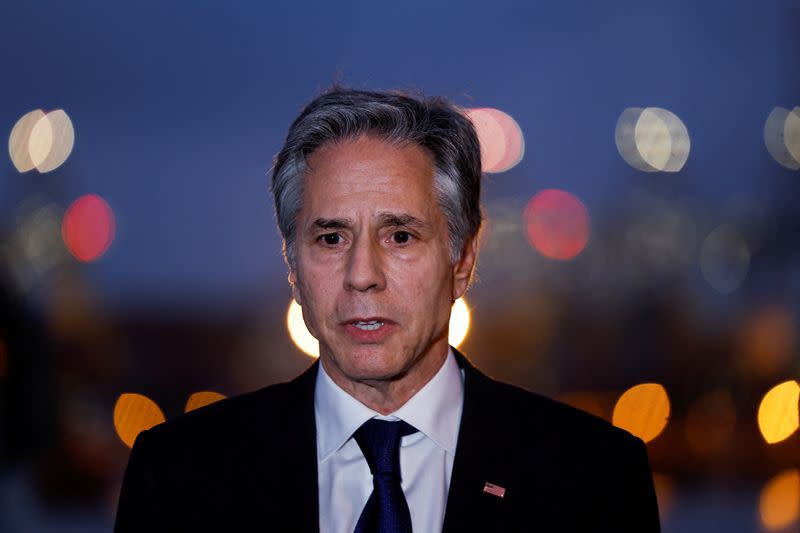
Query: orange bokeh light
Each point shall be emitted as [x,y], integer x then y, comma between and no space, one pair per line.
[557,223]
[643,410]
[88,227]
[779,505]
[779,412]
[201,399]
[501,139]
[134,413]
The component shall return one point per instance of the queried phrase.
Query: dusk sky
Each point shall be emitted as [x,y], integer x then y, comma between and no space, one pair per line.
[178,108]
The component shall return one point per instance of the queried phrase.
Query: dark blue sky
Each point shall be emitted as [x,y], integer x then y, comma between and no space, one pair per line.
[179,106]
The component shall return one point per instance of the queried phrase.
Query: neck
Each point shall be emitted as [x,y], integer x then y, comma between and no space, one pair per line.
[388,395]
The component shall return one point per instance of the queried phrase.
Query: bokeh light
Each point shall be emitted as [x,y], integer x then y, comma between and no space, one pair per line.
[18,141]
[767,342]
[201,399]
[710,421]
[459,323]
[779,505]
[643,410]
[298,332]
[501,139]
[51,141]
[88,228]
[779,411]
[652,139]
[557,224]
[460,319]
[791,133]
[724,259]
[782,136]
[134,413]
[35,248]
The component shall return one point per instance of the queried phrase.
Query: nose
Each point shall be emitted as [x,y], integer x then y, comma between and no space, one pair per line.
[365,266]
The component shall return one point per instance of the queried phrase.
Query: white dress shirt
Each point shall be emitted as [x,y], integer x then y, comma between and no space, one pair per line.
[426,457]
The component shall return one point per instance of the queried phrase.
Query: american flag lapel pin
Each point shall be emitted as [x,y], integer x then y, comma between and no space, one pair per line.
[494,490]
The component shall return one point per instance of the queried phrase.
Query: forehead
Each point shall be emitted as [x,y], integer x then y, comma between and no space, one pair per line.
[368,173]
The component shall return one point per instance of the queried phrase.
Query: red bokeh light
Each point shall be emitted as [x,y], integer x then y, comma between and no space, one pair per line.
[88,227]
[557,224]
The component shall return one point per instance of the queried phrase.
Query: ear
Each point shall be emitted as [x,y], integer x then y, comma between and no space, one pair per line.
[462,270]
[293,284]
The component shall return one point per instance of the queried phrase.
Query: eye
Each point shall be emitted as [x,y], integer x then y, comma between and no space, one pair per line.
[401,237]
[331,239]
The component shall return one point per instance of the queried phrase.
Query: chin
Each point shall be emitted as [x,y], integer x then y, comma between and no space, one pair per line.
[372,362]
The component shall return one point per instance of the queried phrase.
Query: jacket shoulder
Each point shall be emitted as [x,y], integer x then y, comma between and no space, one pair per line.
[533,416]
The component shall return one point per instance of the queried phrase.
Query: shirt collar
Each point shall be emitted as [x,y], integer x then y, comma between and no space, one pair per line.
[435,410]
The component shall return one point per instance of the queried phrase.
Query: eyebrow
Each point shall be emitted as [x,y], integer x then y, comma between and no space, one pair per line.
[403,219]
[386,220]
[331,223]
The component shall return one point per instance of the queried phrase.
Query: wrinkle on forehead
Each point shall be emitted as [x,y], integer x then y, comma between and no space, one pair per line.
[371,175]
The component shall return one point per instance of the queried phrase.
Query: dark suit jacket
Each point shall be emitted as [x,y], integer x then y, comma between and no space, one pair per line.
[249,463]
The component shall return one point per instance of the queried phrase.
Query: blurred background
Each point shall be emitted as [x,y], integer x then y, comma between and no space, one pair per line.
[640,258]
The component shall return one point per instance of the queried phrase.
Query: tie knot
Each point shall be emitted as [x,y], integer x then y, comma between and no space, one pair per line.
[379,441]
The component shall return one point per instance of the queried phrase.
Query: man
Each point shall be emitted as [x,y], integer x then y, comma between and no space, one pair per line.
[377,199]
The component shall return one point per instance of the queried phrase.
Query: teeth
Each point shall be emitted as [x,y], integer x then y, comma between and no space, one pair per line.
[368,326]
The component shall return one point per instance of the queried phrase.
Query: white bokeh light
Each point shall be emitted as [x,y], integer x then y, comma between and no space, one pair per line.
[782,136]
[18,141]
[298,332]
[58,135]
[652,139]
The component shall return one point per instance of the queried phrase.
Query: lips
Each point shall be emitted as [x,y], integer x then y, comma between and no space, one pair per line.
[368,329]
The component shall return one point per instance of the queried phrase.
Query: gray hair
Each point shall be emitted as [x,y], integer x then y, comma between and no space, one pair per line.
[434,124]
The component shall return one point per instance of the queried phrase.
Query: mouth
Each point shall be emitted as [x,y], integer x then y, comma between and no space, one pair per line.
[370,325]
[368,329]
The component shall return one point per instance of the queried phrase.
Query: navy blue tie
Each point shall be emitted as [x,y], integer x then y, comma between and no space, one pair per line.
[386,510]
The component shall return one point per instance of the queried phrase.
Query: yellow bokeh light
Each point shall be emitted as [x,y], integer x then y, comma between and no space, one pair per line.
[778,412]
[51,141]
[643,410]
[134,413]
[18,141]
[302,338]
[201,399]
[779,505]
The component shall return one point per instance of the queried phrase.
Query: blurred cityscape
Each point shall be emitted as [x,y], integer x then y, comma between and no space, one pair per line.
[640,257]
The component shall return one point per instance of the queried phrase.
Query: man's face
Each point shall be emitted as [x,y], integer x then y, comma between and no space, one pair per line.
[373,272]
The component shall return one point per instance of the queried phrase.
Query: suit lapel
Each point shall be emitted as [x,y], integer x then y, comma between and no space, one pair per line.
[468,505]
